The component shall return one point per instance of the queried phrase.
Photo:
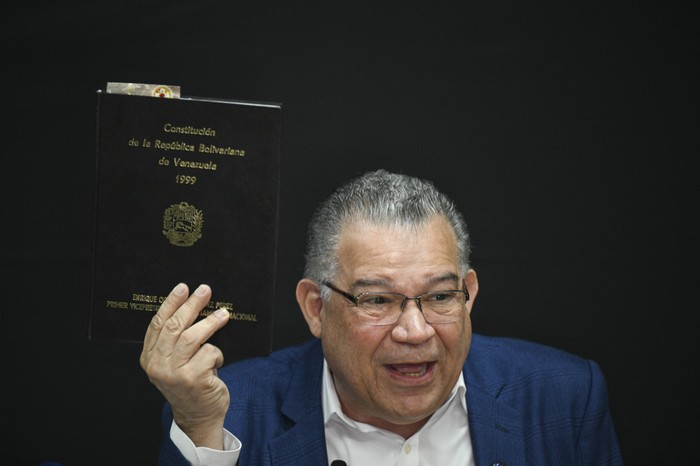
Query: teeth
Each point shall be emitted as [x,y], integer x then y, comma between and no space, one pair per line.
[411,370]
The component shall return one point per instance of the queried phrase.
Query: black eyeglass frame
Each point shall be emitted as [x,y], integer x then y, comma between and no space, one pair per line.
[355,299]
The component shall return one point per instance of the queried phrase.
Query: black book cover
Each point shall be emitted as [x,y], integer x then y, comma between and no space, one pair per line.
[186,191]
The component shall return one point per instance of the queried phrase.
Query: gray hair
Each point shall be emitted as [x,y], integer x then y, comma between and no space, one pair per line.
[380,198]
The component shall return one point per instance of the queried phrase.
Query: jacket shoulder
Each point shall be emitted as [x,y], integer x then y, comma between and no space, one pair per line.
[514,368]
[516,352]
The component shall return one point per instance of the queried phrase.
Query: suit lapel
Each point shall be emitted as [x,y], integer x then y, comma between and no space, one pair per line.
[305,441]
[494,426]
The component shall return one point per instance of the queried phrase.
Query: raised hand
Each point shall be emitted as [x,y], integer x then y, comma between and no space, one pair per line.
[183,366]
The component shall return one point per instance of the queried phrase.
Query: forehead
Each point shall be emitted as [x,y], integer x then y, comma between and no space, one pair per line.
[398,253]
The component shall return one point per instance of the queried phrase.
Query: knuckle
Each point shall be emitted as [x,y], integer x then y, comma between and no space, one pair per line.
[157,321]
[210,350]
[188,339]
[173,324]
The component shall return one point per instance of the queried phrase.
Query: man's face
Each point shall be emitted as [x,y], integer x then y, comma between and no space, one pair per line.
[395,376]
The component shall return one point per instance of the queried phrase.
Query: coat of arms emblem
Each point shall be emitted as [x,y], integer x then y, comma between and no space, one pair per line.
[182,224]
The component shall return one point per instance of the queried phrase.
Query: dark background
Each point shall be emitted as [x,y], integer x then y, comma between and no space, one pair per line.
[566,132]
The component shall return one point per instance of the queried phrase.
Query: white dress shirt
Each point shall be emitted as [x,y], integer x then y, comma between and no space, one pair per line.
[443,440]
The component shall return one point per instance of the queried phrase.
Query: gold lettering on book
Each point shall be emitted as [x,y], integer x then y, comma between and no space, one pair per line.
[151,303]
[212,149]
[170,128]
[190,164]
[173,145]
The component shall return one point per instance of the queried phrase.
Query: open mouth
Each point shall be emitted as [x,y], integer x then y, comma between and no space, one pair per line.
[411,370]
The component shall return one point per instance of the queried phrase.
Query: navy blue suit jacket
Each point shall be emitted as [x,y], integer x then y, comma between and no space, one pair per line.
[528,405]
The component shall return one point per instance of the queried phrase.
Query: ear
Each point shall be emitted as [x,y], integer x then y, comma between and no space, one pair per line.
[311,304]
[472,287]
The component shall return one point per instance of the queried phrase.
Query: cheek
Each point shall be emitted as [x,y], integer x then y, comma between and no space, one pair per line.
[347,343]
[457,340]
[336,335]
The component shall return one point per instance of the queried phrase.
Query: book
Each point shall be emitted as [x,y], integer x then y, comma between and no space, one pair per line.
[187,191]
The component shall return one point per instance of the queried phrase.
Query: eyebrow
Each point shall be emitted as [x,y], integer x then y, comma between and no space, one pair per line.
[384,283]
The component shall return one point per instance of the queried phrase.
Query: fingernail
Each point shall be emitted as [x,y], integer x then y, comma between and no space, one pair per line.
[222,312]
[201,290]
[179,289]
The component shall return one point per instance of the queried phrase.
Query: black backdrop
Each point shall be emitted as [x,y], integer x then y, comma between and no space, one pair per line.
[567,134]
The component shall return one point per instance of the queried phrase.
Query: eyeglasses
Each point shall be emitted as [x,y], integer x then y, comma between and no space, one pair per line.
[385,308]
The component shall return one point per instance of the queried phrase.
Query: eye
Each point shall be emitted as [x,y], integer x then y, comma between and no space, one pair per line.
[441,296]
[378,300]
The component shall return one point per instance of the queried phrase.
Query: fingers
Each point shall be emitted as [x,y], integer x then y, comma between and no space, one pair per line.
[178,321]
[192,339]
[171,329]
[209,357]
[174,300]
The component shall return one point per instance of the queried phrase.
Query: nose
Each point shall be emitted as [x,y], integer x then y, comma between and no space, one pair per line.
[416,299]
[412,327]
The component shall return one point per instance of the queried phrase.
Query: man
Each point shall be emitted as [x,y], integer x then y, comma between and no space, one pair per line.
[387,292]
